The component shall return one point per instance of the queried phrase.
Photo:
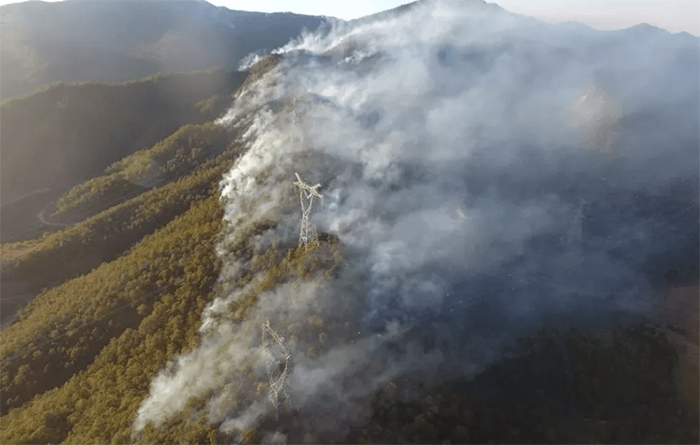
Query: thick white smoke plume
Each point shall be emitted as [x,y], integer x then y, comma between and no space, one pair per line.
[484,173]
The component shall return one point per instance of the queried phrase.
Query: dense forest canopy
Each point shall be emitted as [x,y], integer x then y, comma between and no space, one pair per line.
[503,247]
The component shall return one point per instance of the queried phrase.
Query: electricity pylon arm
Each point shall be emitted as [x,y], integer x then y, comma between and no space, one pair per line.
[307,193]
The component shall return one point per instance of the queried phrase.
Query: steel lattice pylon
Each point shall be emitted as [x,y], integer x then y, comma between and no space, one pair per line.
[279,367]
[307,194]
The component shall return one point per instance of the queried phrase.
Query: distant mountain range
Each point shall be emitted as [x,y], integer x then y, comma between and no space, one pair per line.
[108,41]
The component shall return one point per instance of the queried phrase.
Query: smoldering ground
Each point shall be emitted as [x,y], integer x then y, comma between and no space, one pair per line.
[484,173]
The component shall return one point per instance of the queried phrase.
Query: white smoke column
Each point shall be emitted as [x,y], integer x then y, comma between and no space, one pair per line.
[454,148]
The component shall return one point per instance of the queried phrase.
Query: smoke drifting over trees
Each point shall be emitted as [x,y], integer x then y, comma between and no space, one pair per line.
[484,174]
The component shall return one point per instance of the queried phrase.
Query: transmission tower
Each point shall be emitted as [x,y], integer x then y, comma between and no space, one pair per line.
[307,194]
[279,367]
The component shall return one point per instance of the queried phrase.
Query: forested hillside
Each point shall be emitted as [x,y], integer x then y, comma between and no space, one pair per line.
[367,237]
[125,291]
[65,134]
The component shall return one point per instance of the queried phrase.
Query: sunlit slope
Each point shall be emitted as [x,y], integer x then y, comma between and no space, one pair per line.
[80,247]
[65,134]
[111,330]
[133,197]
[184,170]
[170,159]
[125,320]
[29,266]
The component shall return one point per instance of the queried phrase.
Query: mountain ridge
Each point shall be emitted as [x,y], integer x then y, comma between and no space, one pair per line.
[116,41]
[481,264]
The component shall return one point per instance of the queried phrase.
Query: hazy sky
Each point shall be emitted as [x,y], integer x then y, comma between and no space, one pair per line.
[673,15]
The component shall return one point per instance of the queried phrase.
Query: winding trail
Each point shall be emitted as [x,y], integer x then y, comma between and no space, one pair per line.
[40,216]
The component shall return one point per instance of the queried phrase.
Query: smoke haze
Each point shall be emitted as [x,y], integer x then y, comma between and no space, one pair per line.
[484,173]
